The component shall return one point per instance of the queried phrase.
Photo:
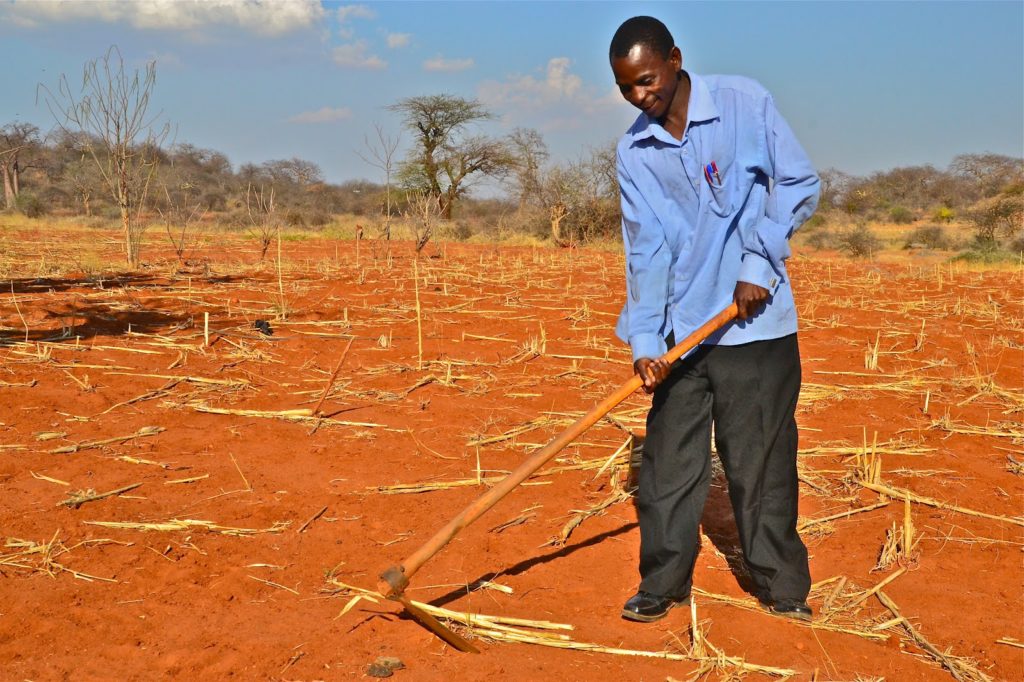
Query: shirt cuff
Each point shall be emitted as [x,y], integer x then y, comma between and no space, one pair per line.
[756,269]
[647,346]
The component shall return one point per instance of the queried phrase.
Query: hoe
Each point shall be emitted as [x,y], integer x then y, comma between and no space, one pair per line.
[394,580]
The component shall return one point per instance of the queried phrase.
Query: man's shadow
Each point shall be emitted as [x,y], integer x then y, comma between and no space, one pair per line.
[717,522]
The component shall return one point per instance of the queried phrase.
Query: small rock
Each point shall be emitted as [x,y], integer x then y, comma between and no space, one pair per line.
[378,670]
[384,666]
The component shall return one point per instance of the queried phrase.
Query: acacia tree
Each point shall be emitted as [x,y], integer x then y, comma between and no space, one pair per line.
[121,137]
[446,155]
[15,140]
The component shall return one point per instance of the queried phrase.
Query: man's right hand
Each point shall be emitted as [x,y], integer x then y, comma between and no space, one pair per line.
[653,372]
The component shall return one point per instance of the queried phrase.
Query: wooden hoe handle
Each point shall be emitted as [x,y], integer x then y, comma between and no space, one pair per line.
[395,579]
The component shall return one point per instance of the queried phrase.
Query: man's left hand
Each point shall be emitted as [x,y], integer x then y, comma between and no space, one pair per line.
[749,298]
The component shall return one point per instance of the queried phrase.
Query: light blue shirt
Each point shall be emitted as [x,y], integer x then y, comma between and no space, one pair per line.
[690,234]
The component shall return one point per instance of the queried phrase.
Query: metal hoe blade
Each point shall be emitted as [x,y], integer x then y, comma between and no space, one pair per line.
[434,625]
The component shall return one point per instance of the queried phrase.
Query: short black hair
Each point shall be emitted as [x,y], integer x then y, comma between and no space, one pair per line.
[646,31]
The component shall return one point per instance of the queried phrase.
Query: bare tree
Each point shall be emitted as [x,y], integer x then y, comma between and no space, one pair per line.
[182,210]
[529,153]
[262,217]
[15,140]
[382,155]
[423,213]
[122,138]
[582,198]
[294,170]
[446,156]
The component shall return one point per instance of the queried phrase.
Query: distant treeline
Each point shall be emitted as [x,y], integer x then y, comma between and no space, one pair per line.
[571,202]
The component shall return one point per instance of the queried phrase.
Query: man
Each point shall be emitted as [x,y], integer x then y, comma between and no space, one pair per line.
[713,184]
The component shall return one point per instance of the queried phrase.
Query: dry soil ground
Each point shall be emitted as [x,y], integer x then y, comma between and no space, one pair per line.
[252,526]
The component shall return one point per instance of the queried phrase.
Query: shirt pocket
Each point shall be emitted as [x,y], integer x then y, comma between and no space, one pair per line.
[722,188]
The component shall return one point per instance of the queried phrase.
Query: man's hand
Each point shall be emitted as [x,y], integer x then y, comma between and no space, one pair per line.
[749,298]
[653,372]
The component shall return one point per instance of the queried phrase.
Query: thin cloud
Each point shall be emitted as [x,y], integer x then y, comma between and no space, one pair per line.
[396,40]
[324,115]
[549,97]
[356,56]
[439,63]
[262,18]
[348,12]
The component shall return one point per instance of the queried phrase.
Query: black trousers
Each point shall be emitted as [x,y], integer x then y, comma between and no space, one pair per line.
[750,393]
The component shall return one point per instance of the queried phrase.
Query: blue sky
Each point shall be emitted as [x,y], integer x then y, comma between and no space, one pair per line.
[867,86]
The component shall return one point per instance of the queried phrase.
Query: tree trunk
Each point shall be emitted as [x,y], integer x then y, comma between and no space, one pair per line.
[558,213]
[8,189]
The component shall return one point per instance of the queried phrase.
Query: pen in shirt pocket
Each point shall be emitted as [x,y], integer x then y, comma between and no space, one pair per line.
[711,173]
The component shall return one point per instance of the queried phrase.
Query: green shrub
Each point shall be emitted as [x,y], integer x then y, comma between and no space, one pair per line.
[929,237]
[901,215]
[859,242]
[821,239]
[816,221]
[29,205]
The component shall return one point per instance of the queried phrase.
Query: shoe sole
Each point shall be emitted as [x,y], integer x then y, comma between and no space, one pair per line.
[792,615]
[640,618]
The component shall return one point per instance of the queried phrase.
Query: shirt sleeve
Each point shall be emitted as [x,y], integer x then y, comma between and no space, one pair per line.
[642,322]
[791,201]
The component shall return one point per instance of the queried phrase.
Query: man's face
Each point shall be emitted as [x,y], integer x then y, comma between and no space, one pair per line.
[647,80]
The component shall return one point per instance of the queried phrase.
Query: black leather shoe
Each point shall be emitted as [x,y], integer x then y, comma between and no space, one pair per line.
[646,607]
[791,608]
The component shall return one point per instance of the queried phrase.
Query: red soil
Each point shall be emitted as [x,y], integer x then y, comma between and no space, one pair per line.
[200,604]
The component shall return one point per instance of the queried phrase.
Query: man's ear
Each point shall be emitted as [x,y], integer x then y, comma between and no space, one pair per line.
[675,58]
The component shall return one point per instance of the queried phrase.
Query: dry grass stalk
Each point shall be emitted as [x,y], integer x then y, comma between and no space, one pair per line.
[188,524]
[858,599]
[751,604]
[579,517]
[77,499]
[88,445]
[334,375]
[41,557]
[927,501]
[502,629]
[1008,431]
[149,395]
[41,477]
[234,383]
[899,544]
[962,669]
[868,465]
[810,523]
[419,313]
[526,515]
[313,518]
[297,415]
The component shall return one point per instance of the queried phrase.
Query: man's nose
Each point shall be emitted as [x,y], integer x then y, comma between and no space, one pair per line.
[636,96]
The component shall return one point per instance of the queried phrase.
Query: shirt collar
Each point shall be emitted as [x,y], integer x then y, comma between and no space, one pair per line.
[701,108]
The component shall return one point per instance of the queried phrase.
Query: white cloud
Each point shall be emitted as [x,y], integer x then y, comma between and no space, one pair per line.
[260,17]
[355,55]
[396,40]
[324,115]
[347,12]
[560,97]
[439,63]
